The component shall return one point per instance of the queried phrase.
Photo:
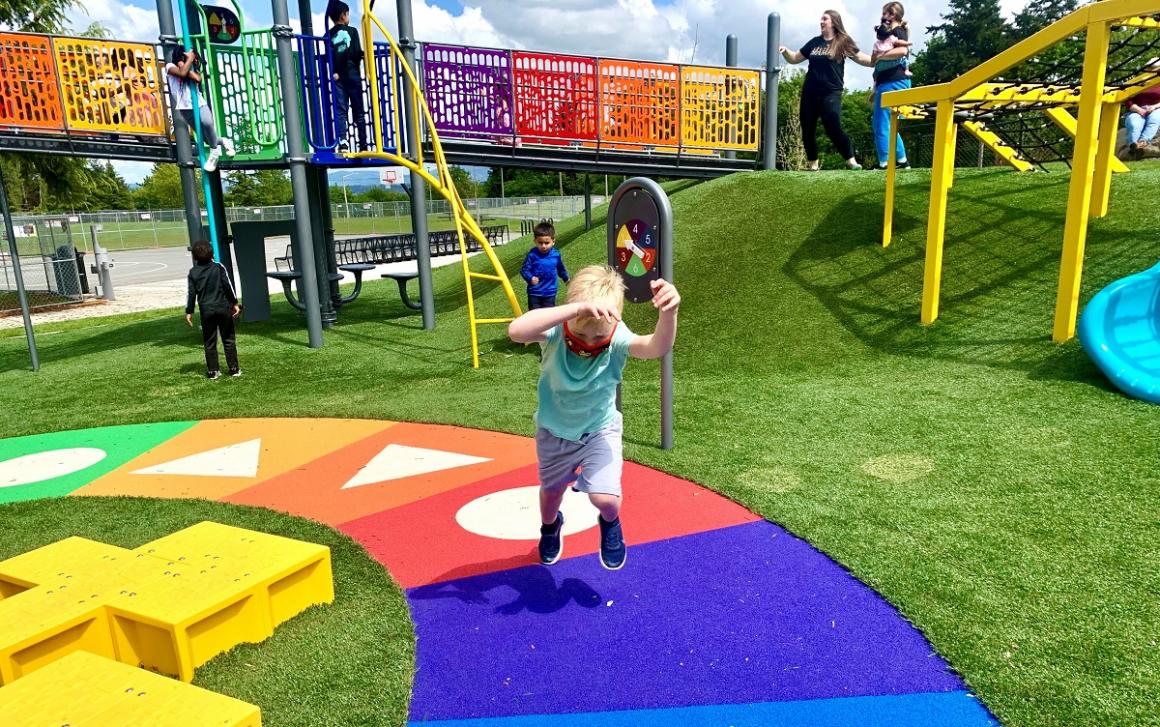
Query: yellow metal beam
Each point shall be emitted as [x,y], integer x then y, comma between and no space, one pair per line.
[1064,120]
[888,218]
[1080,189]
[1121,12]
[996,144]
[1105,156]
[942,171]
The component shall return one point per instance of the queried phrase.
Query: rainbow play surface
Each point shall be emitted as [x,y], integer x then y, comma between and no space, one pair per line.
[719,617]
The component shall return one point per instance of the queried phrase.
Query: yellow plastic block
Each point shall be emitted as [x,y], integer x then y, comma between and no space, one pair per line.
[63,560]
[176,623]
[84,690]
[294,574]
[43,624]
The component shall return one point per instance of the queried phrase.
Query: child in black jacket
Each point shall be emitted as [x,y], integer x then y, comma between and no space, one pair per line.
[210,287]
[347,54]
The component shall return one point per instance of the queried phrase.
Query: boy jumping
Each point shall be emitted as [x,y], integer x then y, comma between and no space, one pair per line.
[585,347]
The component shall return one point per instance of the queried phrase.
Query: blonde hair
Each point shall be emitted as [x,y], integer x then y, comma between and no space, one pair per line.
[595,284]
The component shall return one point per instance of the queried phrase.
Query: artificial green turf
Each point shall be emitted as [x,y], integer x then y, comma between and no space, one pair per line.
[985,480]
[346,663]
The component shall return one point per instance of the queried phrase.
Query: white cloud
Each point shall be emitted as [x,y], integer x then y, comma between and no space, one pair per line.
[124,21]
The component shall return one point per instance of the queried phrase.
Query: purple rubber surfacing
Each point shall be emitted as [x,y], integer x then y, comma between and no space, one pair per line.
[742,614]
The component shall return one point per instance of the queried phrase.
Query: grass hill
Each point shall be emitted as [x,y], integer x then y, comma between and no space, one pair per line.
[984,479]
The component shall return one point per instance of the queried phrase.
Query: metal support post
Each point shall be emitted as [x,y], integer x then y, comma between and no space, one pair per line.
[587,202]
[327,224]
[14,255]
[323,266]
[772,75]
[218,202]
[296,158]
[731,62]
[101,266]
[943,169]
[185,162]
[1080,188]
[418,184]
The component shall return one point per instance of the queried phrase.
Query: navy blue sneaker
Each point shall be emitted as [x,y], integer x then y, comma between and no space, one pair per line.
[552,540]
[612,549]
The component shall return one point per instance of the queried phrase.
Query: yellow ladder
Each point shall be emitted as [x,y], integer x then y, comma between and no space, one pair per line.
[443,184]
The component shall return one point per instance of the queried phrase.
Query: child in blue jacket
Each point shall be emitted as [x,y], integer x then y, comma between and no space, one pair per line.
[541,267]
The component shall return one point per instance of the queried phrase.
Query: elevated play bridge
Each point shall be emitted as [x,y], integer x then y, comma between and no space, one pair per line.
[490,107]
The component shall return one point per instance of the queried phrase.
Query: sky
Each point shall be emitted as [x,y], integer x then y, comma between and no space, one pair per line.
[660,30]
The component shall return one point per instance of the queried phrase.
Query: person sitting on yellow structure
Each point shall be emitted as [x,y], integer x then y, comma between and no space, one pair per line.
[1142,120]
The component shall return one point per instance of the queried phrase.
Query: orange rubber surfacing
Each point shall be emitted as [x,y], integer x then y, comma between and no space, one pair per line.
[284,445]
[318,486]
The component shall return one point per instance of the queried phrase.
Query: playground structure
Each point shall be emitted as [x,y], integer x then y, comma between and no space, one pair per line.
[270,91]
[1074,74]
[168,606]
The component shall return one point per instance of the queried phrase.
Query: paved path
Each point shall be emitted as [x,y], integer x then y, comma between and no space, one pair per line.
[718,618]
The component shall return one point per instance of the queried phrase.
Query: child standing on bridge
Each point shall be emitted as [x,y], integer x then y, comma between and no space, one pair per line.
[347,76]
[210,287]
[542,266]
[585,347]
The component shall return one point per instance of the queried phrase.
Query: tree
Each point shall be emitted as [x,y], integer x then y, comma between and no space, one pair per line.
[35,16]
[162,189]
[1038,15]
[375,194]
[1054,64]
[973,31]
[107,190]
[263,188]
[463,182]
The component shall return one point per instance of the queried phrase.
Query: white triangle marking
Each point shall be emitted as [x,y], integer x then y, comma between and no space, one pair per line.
[397,461]
[234,460]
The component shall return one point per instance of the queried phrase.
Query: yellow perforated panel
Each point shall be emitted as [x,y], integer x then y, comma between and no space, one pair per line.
[109,86]
[720,108]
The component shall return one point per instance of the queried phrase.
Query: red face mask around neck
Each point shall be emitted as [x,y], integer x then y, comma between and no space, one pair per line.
[583,349]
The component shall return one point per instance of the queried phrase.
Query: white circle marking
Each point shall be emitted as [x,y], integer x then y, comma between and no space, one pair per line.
[42,466]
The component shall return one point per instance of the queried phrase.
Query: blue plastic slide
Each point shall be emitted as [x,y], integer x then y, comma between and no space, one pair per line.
[1120,330]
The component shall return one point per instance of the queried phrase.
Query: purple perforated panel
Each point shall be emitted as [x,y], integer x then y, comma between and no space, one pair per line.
[469,90]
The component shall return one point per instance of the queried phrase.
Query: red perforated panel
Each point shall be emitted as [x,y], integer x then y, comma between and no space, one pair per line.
[556,97]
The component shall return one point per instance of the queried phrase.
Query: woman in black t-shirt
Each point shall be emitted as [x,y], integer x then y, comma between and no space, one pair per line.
[822,90]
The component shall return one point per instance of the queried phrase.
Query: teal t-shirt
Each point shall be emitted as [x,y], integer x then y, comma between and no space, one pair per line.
[578,395]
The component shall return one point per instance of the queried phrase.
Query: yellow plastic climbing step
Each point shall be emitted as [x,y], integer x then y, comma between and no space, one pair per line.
[85,690]
[293,574]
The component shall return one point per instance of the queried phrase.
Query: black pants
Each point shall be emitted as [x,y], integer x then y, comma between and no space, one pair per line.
[541,301]
[829,109]
[211,325]
[348,95]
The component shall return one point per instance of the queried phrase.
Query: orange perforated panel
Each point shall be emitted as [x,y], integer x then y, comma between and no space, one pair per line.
[720,108]
[556,97]
[639,102]
[109,85]
[28,91]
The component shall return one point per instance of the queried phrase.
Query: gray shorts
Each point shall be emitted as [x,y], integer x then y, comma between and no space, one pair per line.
[599,455]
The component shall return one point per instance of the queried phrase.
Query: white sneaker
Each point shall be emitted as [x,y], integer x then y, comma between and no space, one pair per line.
[211,159]
[228,145]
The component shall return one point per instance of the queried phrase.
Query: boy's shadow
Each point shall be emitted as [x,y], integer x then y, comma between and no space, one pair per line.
[535,587]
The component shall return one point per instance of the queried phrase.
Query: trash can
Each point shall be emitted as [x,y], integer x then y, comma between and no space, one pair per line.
[82,272]
[64,265]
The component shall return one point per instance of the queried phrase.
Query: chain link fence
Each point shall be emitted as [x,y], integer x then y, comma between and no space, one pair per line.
[138,229]
[51,266]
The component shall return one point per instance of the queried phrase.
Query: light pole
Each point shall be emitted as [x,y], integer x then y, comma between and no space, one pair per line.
[345,197]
